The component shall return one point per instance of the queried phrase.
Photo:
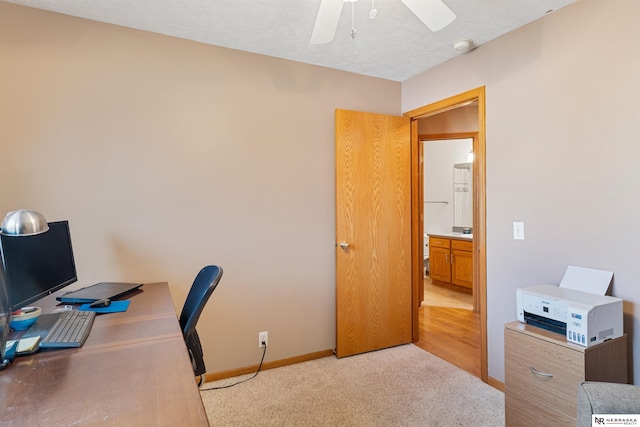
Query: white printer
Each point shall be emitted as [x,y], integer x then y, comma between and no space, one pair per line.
[585,318]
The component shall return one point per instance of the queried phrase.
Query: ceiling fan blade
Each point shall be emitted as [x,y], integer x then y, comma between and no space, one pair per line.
[327,21]
[434,13]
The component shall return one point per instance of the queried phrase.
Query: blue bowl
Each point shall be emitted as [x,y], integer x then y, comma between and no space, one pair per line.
[25,317]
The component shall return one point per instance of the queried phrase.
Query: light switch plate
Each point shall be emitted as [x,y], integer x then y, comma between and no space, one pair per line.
[518,231]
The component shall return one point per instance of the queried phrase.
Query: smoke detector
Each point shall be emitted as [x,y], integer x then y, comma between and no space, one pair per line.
[464,45]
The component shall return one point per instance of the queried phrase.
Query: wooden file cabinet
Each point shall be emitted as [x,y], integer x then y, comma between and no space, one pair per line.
[543,370]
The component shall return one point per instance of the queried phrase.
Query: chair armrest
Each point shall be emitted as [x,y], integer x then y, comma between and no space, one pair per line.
[606,398]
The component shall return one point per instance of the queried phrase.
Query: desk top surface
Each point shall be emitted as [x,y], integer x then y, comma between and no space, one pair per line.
[133,369]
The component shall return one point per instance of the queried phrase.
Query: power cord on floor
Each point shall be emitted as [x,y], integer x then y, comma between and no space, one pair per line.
[244,380]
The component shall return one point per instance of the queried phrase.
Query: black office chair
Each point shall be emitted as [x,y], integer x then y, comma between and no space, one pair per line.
[202,288]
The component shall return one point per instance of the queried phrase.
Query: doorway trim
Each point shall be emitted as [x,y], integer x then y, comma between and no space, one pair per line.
[479,211]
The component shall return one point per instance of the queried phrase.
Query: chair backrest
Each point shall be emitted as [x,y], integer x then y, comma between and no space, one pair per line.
[202,288]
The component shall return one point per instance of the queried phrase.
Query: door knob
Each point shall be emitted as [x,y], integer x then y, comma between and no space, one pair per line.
[345,246]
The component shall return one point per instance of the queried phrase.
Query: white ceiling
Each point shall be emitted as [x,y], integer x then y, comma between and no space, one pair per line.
[395,45]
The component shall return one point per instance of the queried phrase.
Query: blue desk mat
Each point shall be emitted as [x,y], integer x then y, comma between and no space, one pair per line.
[114,307]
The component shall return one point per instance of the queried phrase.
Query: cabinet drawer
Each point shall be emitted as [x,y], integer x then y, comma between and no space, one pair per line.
[439,242]
[461,245]
[530,393]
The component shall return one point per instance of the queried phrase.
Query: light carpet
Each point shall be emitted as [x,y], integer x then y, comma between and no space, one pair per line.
[400,386]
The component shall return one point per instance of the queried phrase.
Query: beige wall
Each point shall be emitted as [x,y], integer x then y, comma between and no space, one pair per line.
[563,144]
[166,155]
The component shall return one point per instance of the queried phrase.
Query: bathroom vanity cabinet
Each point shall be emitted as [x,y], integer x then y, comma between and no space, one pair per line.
[451,260]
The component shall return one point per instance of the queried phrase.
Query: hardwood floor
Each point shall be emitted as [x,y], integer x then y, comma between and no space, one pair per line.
[449,331]
[446,296]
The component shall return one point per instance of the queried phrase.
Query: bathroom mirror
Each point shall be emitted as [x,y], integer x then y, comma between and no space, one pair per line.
[463,195]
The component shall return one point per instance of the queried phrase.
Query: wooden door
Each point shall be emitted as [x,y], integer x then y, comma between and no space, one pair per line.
[373,232]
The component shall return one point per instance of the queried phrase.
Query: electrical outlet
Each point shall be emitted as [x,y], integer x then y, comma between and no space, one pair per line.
[263,337]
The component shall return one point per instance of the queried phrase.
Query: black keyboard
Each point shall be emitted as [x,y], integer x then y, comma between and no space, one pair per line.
[70,330]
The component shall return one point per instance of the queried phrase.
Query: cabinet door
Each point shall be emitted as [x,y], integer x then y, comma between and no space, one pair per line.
[439,263]
[462,268]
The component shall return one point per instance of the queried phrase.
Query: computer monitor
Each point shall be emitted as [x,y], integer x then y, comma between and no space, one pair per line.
[36,266]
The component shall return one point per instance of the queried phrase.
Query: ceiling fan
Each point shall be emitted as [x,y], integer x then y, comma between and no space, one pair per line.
[433,13]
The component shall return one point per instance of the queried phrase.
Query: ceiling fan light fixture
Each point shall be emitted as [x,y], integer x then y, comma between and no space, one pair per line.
[463,45]
[433,13]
